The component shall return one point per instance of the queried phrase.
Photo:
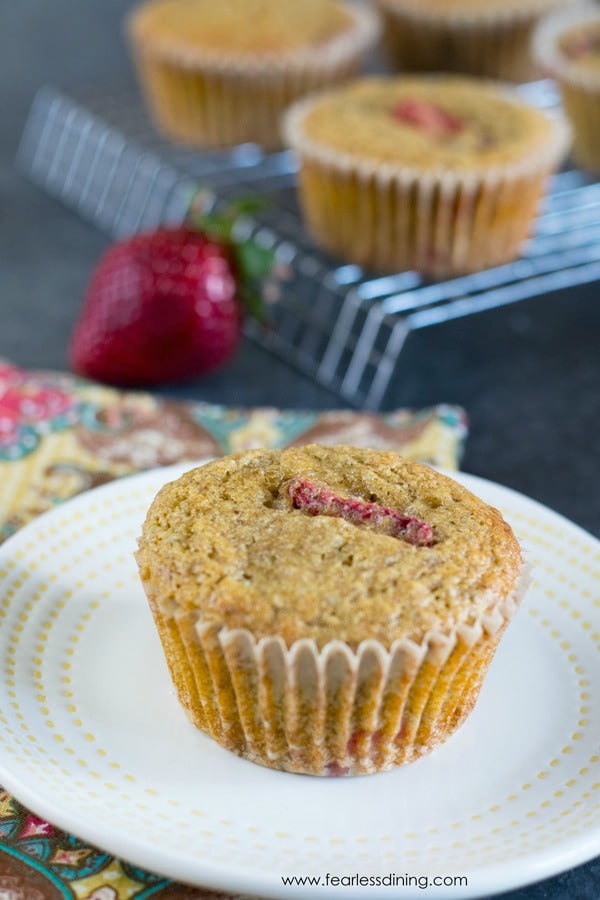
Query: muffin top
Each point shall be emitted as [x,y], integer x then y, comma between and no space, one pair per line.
[434,122]
[324,543]
[567,45]
[234,28]
[580,46]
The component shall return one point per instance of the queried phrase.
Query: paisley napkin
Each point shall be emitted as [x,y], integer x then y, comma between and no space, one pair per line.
[60,435]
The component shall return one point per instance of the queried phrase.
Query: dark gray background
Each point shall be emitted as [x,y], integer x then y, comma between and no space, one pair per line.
[528,376]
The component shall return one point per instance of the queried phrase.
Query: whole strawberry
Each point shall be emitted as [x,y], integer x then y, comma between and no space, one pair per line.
[163,306]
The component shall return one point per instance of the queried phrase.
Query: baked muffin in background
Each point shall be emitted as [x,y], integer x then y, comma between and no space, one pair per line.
[327,610]
[220,72]
[567,47]
[489,38]
[442,174]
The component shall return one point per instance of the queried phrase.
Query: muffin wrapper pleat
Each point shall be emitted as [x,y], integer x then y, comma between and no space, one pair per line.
[205,100]
[334,710]
[441,223]
[580,87]
[493,41]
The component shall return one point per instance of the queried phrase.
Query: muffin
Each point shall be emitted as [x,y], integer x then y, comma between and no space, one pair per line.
[488,38]
[567,46]
[219,74]
[327,610]
[442,174]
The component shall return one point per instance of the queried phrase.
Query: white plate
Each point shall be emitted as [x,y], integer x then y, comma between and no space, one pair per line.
[93,738]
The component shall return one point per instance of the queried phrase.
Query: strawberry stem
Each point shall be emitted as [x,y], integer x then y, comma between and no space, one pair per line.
[254,262]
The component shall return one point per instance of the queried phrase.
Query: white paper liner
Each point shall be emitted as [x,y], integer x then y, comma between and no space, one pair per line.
[222,110]
[548,54]
[333,711]
[491,39]
[580,87]
[439,221]
[469,14]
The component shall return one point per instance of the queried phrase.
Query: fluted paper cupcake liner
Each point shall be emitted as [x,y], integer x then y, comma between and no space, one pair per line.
[492,40]
[439,222]
[210,99]
[334,710]
[580,87]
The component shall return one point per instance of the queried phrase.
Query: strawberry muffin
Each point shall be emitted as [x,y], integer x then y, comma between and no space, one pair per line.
[567,47]
[221,73]
[488,38]
[327,610]
[442,174]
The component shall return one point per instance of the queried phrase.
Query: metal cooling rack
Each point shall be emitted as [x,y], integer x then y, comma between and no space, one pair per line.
[337,323]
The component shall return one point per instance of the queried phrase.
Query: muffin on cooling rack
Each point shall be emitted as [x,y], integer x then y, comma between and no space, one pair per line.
[489,38]
[327,610]
[567,46]
[220,73]
[442,174]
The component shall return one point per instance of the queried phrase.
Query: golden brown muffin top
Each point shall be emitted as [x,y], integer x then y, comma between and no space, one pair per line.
[325,542]
[261,28]
[434,122]
[580,46]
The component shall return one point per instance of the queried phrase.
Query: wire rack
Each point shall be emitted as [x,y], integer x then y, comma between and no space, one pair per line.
[338,324]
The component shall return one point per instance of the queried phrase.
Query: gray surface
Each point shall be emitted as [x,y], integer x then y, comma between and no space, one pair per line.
[529,377]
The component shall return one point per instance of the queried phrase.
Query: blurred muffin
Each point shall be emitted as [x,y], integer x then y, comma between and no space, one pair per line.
[442,174]
[490,38]
[567,46]
[220,73]
[327,610]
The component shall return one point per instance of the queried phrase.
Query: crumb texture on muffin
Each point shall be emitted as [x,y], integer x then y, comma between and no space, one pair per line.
[227,542]
[433,122]
[580,46]
[251,27]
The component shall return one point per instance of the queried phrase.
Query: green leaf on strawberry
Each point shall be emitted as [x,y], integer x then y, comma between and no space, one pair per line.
[254,262]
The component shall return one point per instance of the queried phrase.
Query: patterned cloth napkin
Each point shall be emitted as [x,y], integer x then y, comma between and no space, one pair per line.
[60,435]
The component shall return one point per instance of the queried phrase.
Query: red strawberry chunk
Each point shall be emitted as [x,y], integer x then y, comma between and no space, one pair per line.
[582,44]
[335,770]
[316,500]
[427,117]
